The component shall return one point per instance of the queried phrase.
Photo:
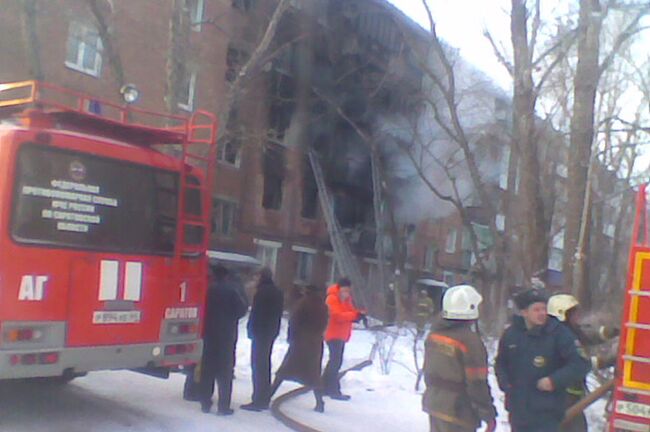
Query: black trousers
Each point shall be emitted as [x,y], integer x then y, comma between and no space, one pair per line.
[217,366]
[261,367]
[331,384]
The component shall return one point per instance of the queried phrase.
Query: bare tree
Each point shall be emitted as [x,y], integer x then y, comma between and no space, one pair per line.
[108,42]
[30,27]
[588,74]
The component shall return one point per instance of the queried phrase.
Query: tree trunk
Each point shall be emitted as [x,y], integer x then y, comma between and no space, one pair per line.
[30,36]
[535,258]
[179,38]
[582,135]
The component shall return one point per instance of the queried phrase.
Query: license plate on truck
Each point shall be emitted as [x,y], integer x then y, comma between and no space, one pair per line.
[633,409]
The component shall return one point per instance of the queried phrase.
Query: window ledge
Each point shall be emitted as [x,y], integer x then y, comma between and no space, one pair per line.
[236,166]
[81,69]
[184,107]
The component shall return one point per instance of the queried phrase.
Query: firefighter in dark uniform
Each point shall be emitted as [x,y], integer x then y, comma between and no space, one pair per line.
[457,397]
[565,308]
[538,359]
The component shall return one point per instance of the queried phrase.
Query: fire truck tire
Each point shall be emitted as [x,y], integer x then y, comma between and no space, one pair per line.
[50,381]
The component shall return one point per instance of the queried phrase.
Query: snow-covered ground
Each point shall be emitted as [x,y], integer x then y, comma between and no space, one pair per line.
[124,401]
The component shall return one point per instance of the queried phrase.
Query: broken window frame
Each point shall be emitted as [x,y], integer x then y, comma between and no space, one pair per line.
[224,217]
[188,87]
[273,176]
[304,265]
[430,258]
[281,106]
[451,240]
[267,253]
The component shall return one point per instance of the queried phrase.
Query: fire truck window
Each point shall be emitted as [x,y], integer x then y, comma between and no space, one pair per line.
[71,199]
[193,197]
[193,234]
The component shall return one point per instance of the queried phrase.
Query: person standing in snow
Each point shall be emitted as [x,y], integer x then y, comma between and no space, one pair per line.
[342,313]
[263,327]
[302,363]
[424,311]
[538,359]
[457,397]
[565,308]
[224,307]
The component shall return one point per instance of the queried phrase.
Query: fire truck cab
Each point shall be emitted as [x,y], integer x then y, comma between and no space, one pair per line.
[631,398]
[104,226]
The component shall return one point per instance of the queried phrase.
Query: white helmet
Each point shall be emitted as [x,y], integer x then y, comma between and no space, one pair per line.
[559,304]
[461,303]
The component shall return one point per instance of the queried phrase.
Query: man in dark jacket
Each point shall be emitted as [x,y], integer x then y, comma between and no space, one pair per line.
[224,308]
[263,328]
[302,363]
[537,359]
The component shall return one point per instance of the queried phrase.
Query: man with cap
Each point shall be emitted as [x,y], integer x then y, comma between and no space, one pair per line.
[537,359]
[458,396]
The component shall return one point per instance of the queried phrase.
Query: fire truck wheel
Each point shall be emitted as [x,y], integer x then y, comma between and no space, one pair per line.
[55,381]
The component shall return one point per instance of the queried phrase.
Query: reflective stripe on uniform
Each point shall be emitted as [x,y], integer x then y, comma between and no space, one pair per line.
[451,419]
[445,340]
[477,373]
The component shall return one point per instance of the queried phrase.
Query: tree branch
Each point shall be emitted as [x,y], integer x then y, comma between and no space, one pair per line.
[500,56]
[626,34]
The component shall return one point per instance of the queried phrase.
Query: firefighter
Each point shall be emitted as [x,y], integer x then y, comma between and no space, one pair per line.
[342,314]
[263,327]
[302,363]
[565,308]
[538,359]
[424,311]
[457,397]
[224,308]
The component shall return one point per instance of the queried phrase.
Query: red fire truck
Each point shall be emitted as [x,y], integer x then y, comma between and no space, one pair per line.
[631,402]
[104,210]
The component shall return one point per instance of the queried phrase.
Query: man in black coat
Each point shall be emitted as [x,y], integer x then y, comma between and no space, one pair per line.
[537,359]
[224,307]
[263,328]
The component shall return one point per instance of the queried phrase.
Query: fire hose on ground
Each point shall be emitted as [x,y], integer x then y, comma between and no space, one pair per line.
[294,424]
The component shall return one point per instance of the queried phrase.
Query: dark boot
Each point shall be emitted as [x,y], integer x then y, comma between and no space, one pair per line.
[340,397]
[254,407]
[320,403]
[206,406]
[225,411]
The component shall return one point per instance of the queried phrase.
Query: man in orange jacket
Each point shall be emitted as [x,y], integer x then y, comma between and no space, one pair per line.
[342,314]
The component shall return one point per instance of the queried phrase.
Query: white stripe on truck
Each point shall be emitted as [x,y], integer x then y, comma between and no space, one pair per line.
[133,281]
[108,277]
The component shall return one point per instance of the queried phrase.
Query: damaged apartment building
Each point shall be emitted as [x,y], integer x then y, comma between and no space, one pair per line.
[340,66]
[334,71]
[334,66]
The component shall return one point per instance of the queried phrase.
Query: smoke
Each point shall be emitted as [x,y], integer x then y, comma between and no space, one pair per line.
[421,154]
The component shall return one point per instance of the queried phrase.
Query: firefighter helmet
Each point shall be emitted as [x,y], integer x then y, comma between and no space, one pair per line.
[461,303]
[560,304]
